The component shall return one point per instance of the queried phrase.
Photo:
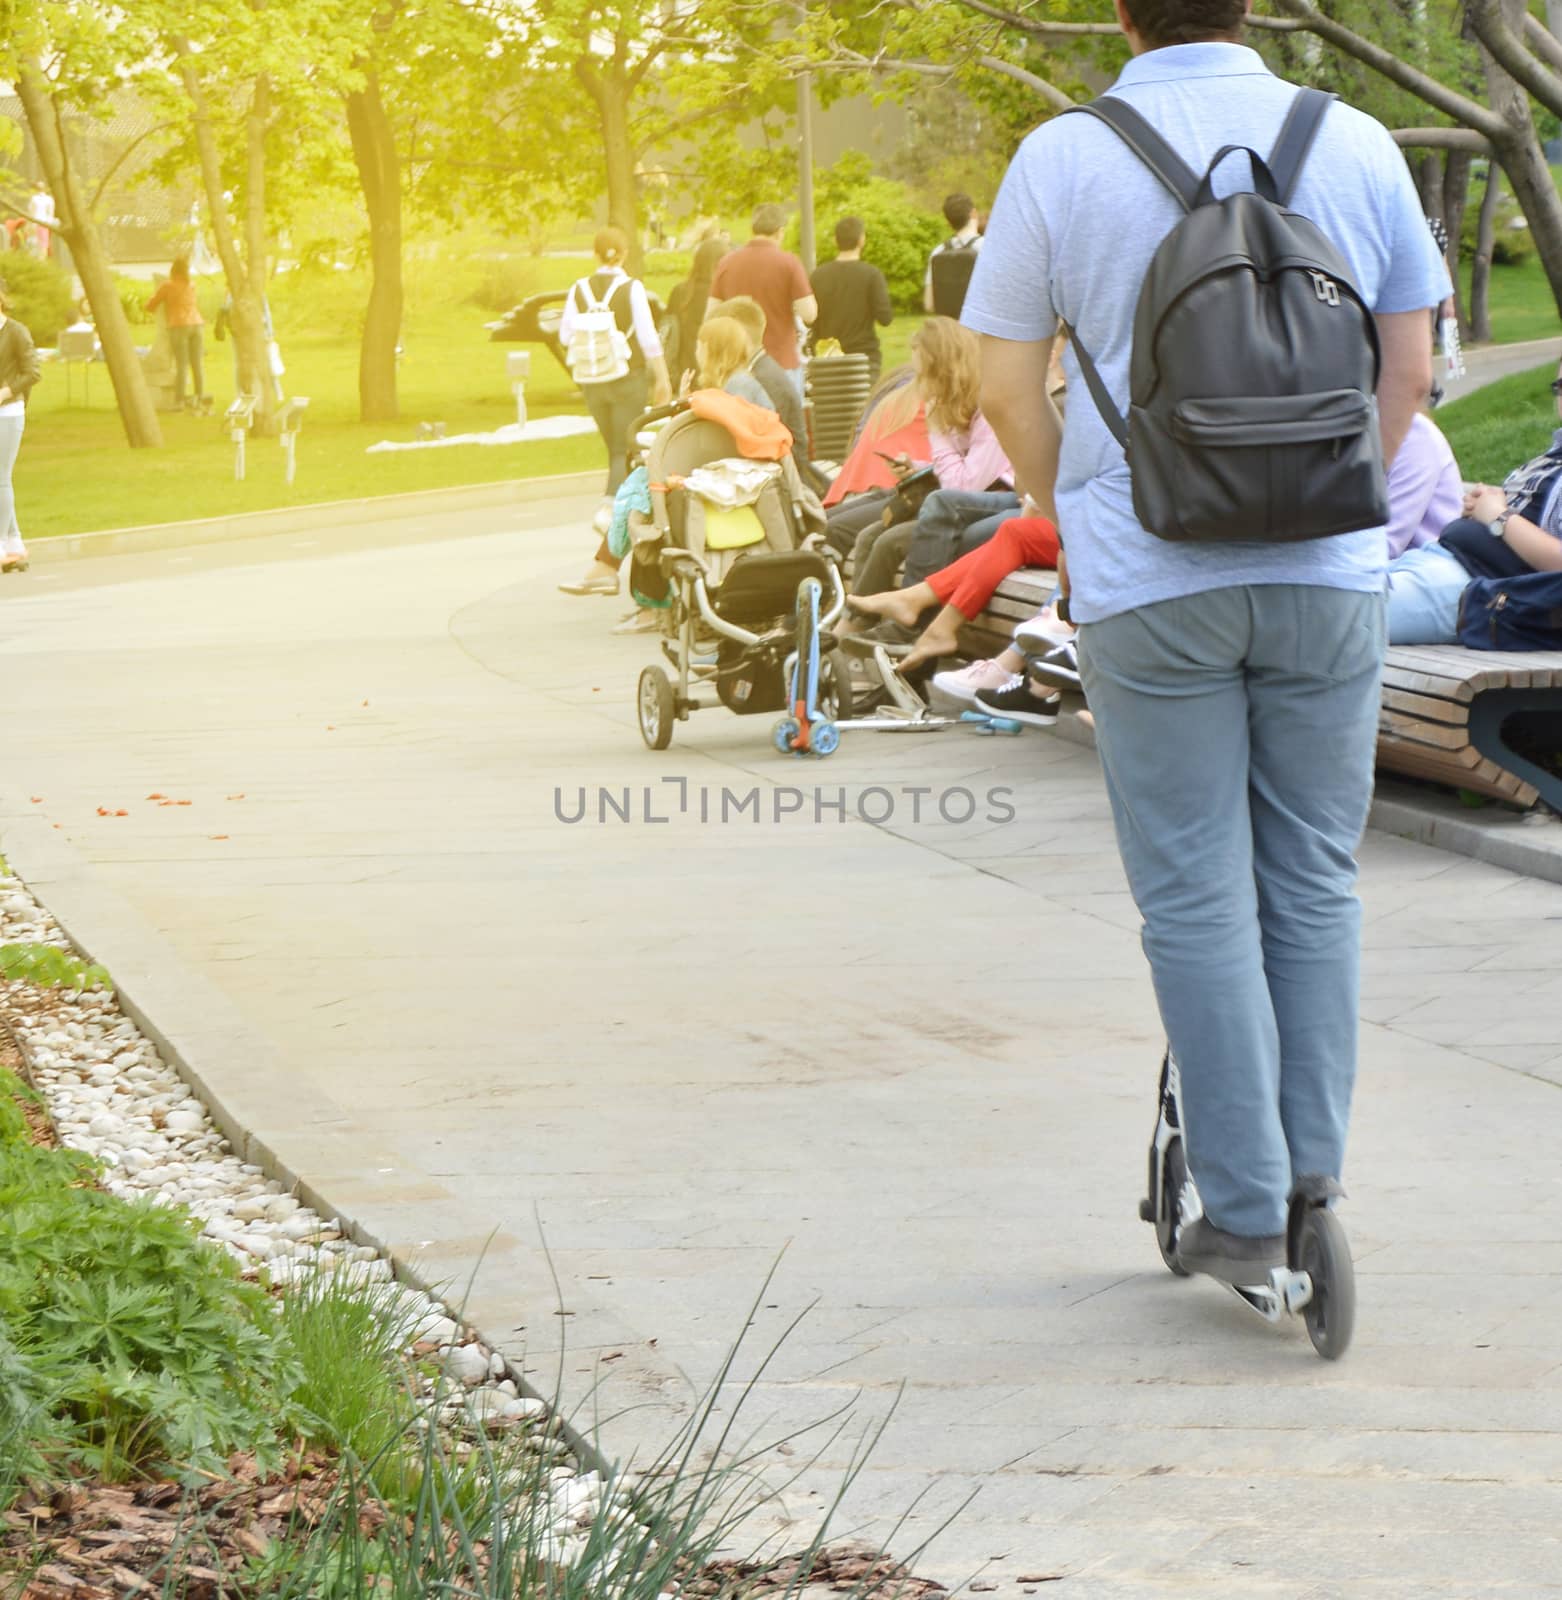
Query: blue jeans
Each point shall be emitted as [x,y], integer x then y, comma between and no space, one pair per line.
[951,522]
[1424,589]
[1237,731]
[10,443]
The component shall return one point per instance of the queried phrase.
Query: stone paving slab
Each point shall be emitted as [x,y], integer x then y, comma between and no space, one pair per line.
[905,1067]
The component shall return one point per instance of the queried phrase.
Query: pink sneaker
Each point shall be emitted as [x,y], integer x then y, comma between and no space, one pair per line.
[962,685]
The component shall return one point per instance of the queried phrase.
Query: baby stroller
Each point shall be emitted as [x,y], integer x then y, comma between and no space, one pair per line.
[747,603]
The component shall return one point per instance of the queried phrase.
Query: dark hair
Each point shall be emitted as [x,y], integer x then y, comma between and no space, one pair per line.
[180,269]
[1164,22]
[958,210]
[769,220]
[707,256]
[849,233]
[610,247]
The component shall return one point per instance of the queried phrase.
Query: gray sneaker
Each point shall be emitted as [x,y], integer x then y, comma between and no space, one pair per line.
[1202,1247]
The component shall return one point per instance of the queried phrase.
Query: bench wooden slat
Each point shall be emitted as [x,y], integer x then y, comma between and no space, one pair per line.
[1430,707]
[1447,736]
[1457,689]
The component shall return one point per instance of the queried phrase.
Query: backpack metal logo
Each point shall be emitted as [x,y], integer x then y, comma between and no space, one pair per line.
[1325,288]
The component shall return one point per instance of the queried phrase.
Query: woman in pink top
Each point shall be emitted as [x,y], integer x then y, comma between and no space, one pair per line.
[975,480]
[176,295]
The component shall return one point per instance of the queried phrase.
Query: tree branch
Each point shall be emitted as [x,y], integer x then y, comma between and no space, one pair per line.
[1442,139]
[119,161]
[1441,98]
[1060,32]
[1507,49]
[1543,40]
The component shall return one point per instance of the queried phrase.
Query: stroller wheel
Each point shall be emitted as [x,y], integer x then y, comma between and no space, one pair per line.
[835,687]
[657,712]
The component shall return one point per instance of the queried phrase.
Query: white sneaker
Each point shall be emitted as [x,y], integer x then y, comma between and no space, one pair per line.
[962,685]
[1037,636]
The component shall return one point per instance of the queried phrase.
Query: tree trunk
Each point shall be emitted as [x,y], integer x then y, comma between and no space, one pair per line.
[623,200]
[247,314]
[1456,197]
[1480,263]
[1517,146]
[137,412]
[1429,184]
[374,151]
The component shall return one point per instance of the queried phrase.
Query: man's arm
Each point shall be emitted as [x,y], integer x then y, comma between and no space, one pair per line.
[1016,403]
[807,307]
[1529,542]
[883,311]
[1405,376]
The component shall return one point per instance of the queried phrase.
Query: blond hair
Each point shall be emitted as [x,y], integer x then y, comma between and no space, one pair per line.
[722,349]
[748,313]
[949,373]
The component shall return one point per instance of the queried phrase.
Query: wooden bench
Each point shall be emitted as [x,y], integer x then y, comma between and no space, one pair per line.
[1447,712]
[1448,715]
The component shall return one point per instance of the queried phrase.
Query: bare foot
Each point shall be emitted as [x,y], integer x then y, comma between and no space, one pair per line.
[936,641]
[896,604]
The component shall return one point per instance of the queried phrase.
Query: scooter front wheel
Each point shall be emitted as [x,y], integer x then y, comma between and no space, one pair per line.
[1325,1258]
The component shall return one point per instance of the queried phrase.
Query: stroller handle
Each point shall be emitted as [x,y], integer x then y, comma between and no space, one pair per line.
[659,414]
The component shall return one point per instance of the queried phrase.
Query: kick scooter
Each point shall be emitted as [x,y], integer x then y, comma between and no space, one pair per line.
[1318,1281]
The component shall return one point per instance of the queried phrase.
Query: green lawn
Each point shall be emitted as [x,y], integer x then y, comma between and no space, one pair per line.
[1522,306]
[75,474]
[1497,428]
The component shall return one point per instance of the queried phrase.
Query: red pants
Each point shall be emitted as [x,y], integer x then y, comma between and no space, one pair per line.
[968,584]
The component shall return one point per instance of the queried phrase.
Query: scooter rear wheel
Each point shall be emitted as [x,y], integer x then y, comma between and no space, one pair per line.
[1325,1258]
[1174,1174]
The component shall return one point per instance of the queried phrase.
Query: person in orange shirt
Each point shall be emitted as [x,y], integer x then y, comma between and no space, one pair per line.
[176,295]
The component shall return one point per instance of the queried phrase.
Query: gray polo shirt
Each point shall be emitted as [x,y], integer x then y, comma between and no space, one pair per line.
[1071,237]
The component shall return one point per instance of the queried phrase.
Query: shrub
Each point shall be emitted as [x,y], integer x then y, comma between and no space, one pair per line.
[141,1349]
[40,295]
[901,235]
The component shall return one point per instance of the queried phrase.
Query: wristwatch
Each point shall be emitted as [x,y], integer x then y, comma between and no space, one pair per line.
[1498,525]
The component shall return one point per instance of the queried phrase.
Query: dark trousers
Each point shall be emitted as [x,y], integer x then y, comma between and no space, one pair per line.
[188,349]
[615,407]
[951,523]
[844,522]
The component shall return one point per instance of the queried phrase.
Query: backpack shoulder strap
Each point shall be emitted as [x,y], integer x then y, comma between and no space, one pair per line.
[1175,173]
[1302,123]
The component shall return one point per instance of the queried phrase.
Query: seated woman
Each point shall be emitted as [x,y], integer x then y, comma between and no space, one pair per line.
[722,355]
[963,588]
[969,460]
[893,428]
[1503,533]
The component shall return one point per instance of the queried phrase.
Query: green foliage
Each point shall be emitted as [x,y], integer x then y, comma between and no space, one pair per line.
[901,233]
[346,1336]
[1501,426]
[136,1346]
[51,968]
[40,295]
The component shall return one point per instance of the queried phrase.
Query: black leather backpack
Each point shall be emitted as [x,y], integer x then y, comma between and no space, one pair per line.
[1255,363]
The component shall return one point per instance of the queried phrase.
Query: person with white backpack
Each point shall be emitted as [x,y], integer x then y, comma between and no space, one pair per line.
[611,345]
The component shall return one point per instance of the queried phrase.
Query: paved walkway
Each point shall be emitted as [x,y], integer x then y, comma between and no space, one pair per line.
[916,1057]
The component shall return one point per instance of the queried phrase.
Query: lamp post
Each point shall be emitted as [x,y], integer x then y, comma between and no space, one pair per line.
[807,246]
